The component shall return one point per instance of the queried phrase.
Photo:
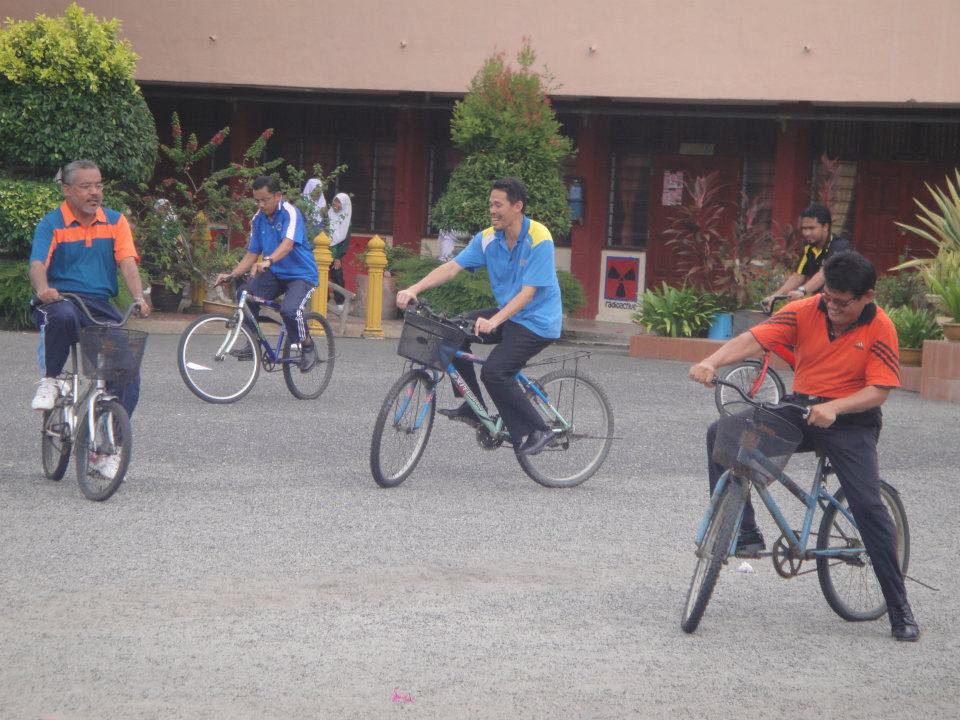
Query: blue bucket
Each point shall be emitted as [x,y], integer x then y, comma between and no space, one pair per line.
[722,327]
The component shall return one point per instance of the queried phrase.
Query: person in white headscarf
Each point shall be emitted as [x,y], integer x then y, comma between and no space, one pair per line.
[313,192]
[338,228]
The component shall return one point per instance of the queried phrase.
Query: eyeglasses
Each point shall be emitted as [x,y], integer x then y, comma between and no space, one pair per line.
[87,186]
[839,304]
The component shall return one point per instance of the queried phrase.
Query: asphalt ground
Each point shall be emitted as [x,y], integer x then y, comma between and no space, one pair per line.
[250,568]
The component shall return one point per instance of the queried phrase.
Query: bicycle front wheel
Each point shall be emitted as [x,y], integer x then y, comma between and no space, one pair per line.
[713,550]
[210,373]
[403,427]
[309,385]
[745,375]
[103,451]
[580,449]
[849,582]
[55,443]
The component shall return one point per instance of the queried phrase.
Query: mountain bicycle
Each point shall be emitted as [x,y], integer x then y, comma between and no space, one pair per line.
[755,377]
[220,358]
[574,406]
[92,421]
[754,446]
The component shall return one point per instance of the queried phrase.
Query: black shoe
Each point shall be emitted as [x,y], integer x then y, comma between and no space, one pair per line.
[308,357]
[536,441]
[750,542]
[463,413]
[244,354]
[903,626]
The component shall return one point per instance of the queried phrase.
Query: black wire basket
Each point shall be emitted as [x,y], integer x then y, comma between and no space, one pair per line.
[111,353]
[429,342]
[755,443]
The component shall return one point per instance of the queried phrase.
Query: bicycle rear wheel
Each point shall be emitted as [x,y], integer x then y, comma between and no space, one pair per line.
[849,584]
[103,451]
[309,385]
[745,375]
[55,443]
[578,452]
[403,427]
[712,551]
[211,374]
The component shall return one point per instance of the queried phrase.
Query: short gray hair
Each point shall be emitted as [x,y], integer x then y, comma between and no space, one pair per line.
[71,168]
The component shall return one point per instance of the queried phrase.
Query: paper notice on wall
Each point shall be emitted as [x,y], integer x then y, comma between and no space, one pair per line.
[672,187]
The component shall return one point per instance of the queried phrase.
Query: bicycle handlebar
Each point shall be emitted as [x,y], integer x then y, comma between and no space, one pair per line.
[768,309]
[134,306]
[804,410]
[421,307]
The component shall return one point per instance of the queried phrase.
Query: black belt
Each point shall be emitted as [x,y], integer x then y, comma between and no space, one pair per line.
[810,399]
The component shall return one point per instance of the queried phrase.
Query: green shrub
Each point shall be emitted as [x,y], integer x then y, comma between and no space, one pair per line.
[22,204]
[903,289]
[674,312]
[15,294]
[67,92]
[914,326]
[571,292]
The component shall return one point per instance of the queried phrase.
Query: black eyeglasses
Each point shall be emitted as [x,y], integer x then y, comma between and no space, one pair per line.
[839,304]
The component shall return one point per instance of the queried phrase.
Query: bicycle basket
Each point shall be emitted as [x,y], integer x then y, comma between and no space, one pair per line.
[428,341]
[755,443]
[111,353]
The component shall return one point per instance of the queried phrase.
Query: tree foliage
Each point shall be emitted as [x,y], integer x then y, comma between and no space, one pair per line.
[67,91]
[506,126]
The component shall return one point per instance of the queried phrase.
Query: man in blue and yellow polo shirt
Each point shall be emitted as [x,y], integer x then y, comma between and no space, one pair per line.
[77,248]
[518,255]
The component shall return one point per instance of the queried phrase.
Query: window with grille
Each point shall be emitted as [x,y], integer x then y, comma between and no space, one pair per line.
[628,204]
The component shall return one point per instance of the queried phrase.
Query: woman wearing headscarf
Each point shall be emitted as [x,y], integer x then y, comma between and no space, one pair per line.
[338,228]
[313,193]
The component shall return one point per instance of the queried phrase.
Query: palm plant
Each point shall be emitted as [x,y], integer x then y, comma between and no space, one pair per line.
[943,227]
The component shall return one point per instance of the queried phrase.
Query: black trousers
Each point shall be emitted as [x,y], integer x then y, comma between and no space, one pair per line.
[296,295]
[515,345]
[851,446]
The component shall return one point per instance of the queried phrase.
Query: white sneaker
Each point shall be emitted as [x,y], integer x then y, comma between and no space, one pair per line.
[48,391]
[340,308]
[106,465]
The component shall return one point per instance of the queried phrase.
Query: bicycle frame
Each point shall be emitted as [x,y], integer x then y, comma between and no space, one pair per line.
[818,496]
[273,355]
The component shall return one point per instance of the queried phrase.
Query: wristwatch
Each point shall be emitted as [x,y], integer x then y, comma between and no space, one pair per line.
[802,290]
[268,259]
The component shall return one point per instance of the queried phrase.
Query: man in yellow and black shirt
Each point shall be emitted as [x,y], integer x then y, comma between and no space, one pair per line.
[847,361]
[819,244]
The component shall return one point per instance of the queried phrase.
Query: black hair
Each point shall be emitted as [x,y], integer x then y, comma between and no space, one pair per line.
[514,189]
[849,272]
[267,181]
[820,213]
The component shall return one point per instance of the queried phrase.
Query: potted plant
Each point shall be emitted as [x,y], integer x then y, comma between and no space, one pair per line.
[676,312]
[943,277]
[913,327]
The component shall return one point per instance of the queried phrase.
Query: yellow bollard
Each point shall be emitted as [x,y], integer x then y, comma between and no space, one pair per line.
[376,264]
[201,240]
[324,258]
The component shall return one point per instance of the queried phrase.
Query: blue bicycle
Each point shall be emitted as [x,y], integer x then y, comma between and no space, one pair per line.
[754,445]
[573,405]
[219,358]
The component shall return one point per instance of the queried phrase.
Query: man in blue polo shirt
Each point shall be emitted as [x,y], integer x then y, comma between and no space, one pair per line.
[278,232]
[518,255]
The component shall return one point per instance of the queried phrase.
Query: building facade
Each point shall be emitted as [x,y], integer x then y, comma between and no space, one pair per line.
[653,95]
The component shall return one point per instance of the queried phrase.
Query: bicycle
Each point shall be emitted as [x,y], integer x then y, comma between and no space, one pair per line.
[572,404]
[755,446]
[93,422]
[755,377]
[220,359]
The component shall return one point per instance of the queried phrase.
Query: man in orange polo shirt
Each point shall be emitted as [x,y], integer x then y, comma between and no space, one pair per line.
[78,248]
[846,364]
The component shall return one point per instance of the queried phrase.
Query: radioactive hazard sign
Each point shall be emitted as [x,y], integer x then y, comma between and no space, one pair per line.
[622,276]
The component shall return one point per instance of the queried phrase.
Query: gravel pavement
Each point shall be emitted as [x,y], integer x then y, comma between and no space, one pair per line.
[250,568]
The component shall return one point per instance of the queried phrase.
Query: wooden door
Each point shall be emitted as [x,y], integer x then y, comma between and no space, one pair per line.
[885,194]
[662,260]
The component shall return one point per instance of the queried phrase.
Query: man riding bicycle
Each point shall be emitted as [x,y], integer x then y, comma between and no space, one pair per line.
[847,363]
[78,248]
[278,232]
[518,255]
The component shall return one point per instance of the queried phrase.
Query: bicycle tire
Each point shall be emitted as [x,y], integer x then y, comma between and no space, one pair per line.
[55,443]
[402,414]
[838,576]
[112,436]
[310,385]
[577,454]
[218,381]
[713,551]
[744,375]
